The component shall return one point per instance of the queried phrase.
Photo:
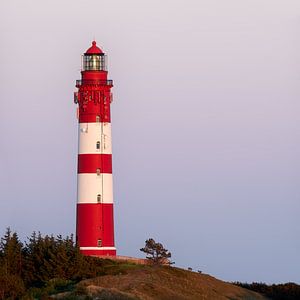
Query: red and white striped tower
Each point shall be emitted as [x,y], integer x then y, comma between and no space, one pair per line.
[95,224]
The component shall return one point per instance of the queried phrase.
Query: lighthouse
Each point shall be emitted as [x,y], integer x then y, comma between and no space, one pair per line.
[95,221]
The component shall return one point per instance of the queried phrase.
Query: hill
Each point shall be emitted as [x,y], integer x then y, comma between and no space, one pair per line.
[52,267]
[152,282]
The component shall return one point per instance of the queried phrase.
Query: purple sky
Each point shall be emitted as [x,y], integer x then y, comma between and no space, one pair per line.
[205,118]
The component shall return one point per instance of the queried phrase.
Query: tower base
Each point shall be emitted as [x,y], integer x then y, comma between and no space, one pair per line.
[98,251]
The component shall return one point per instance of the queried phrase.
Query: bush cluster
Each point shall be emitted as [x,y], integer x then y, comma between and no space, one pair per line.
[286,291]
[44,265]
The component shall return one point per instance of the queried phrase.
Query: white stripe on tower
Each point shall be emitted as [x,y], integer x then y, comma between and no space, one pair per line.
[92,133]
[93,188]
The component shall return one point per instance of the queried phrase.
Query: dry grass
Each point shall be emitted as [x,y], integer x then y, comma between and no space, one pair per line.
[147,282]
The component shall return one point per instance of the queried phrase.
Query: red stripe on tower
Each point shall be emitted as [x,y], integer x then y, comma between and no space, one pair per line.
[95,222]
[91,163]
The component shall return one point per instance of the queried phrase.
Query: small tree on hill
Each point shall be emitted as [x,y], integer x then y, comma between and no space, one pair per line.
[156,253]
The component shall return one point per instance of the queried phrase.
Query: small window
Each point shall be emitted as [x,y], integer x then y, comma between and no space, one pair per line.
[98,198]
[98,172]
[97,119]
[98,145]
[99,243]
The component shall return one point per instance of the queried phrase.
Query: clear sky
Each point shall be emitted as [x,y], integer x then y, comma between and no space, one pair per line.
[206,127]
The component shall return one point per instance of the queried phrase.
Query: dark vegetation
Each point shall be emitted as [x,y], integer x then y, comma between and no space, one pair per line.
[287,291]
[46,265]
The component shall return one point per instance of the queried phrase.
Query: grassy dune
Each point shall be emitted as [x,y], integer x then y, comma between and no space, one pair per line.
[151,282]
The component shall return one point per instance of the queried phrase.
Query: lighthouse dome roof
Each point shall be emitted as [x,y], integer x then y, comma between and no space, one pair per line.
[94,49]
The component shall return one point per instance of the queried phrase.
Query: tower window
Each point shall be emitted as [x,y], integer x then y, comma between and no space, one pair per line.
[98,198]
[98,172]
[99,243]
[98,145]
